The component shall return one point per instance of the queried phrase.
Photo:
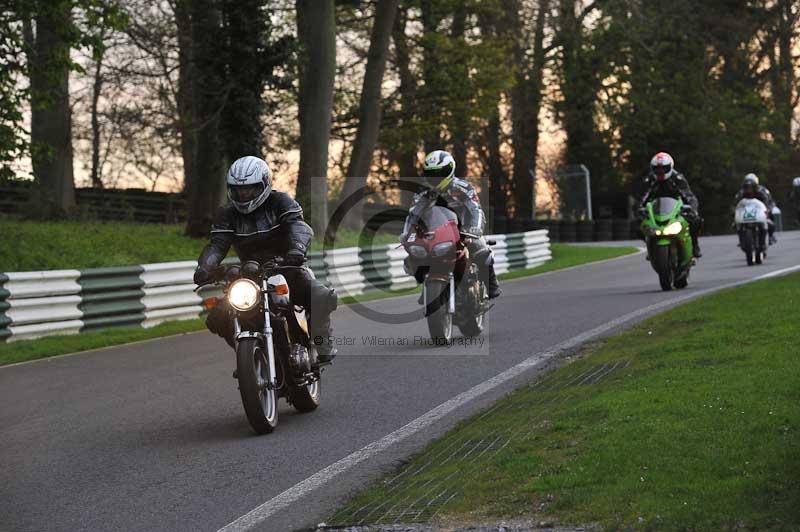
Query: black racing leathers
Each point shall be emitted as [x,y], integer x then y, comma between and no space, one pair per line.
[676,187]
[272,230]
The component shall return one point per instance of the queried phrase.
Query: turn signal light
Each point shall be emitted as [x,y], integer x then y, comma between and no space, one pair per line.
[282,289]
[210,302]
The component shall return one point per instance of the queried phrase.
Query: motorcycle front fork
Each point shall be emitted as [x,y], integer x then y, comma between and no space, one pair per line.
[451,303]
[266,336]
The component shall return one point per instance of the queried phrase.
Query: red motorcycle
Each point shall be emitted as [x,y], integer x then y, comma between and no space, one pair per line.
[439,260]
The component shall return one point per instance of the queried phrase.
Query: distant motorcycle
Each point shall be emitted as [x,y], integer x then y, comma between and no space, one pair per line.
[669,241]
[274,355]
[752,224]
[439,259]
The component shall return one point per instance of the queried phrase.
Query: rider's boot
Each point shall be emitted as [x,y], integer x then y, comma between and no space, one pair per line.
[696,253]
[492,286]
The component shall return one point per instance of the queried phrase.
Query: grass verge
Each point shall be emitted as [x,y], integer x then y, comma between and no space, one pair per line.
[566,256]
[32,245]
[563,257]
[688,421]
[48,346]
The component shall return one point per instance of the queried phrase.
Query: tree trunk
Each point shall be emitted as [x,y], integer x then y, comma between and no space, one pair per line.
[431,97]
[407,151]
[784,78]
[459,122]
[51,121]
[369,112]
[244,25]
[97,88]
[526,102]
[205,192]
[316,30]
[497,175]
[183,22]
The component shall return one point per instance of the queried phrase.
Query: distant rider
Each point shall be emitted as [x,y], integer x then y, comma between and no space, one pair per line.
[794,195]
[438,174]
[763,194]
[263,224]
[664,181]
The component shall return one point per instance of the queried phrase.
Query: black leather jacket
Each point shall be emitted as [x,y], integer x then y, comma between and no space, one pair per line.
[675,187]
[269,231]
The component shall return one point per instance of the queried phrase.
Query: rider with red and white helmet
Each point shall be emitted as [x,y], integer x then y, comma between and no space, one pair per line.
[664,181]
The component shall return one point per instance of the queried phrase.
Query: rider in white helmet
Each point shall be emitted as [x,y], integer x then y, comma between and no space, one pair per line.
[664,181]
[761,193]
[794,195]
[260,224]
[439,175]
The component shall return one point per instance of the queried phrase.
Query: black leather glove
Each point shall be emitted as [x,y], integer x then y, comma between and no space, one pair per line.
[294,257]
[205,274]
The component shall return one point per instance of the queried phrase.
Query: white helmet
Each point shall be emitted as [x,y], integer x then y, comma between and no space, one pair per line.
[796,182]
[662,166]
[249,182]
[752,178]
[439,169]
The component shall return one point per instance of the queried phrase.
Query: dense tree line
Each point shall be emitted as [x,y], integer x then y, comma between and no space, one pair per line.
[358,89]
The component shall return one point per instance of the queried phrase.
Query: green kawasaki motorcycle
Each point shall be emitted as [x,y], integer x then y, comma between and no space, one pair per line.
[669,243]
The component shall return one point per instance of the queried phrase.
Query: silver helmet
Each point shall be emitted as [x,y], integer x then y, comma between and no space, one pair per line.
[249,182]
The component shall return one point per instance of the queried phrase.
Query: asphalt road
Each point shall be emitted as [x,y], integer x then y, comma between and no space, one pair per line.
[152,436]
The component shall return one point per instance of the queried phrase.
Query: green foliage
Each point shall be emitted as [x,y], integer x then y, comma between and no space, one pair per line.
[696,429]
[691,84]
[460,76]
[92,18]
[12,94]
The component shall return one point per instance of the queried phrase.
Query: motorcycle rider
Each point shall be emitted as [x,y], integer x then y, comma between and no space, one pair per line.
[763,194]
[794,195]
[664,181]
[262,224]
[438,174]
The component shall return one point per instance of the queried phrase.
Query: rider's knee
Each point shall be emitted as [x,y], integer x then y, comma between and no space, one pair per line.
[323,297]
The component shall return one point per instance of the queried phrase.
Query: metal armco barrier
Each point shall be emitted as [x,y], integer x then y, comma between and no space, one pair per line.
[34,304]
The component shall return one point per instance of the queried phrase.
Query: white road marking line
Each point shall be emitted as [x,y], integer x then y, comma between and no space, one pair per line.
[264,511]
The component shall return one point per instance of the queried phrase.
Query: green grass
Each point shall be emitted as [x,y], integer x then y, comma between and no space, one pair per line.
[566,256]
[563,257]
[700,431]
[48,346]
[30,245]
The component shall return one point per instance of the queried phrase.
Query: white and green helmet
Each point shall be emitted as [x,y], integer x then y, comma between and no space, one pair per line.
[439,169]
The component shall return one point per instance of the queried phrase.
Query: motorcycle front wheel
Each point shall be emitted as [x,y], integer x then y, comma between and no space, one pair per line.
[748,245]
[663,266]
[260,402]
[440,321]
[472,324]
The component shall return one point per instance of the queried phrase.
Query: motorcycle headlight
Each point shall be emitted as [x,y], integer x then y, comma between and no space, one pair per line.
[442,249]
[672,229]
[244,295]
[417,251]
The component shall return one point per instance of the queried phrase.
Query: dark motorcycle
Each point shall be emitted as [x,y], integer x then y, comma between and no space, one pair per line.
[274,355]
[439,259]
